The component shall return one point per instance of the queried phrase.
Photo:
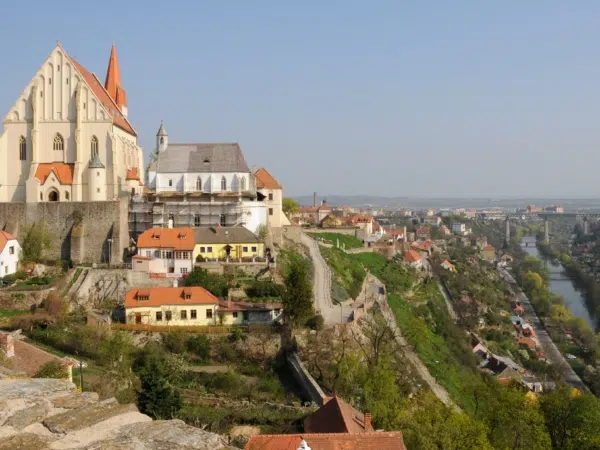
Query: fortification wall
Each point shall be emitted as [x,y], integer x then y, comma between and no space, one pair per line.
[79,230]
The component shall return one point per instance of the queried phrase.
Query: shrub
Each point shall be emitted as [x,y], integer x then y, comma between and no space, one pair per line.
[264,289]
[237,334]
[316,322]
[175,341]
[52,369]
[199,344]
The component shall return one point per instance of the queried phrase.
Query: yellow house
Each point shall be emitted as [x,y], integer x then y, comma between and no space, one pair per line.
[219,242]
[190,306]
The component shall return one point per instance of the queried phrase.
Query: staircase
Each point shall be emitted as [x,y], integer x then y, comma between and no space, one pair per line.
[38,414]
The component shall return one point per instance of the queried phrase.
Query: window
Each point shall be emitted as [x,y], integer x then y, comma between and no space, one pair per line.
[254,249]
[98,173]
[245,314]
[186,255]
[167,254]
[67,81]
[198,184]
[223,220]
[159,316]
[270,211]
[98,190]
[270,196]
[162,140]
[202,249]
[208,249]
[235,314]
[223,184]
[183,270]
[157,253]
[243,184]
[197,221]
[41,196]
[168,315]
[170,182]
[11,250]
[183,315]
[49,80]
[188,296]
[94,146]
[22,148]
[209,313]
[245,249]
[143,298]
[58,68]
[66,196]
[148,253]
[59,143]
[193,314]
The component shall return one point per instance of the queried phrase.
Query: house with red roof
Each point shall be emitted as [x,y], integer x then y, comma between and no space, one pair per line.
[168,251]
[337,416]
[413,259]
[272,191]
[488,253]
[9,254]
[378,440]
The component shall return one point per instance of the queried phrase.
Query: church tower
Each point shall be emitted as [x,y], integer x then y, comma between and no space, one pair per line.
[97,179]
[162,138]
[113,82]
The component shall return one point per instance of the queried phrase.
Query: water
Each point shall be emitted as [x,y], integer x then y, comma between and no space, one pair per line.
[560,284]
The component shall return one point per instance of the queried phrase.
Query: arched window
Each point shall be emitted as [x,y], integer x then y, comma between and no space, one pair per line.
[223,220]
[223,184]
[59,143]
[197,221]
[198,184]
[162,140]
[66,195]
[22,148]
[243,184]
[94,146]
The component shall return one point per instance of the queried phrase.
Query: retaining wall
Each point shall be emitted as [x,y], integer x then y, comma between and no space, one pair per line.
[309,386]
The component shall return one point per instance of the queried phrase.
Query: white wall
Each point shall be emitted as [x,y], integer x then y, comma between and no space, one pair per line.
[186,182]
[255,215]
[9,263]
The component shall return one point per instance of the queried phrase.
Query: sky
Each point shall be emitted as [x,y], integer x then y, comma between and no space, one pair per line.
[391,98]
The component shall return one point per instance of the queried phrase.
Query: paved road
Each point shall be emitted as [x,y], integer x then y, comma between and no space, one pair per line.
[548,346]
[331,313]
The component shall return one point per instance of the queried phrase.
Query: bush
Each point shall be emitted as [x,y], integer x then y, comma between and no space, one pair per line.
[174,341]
[237,334]
[214,283]
[316,322]
[199,344]
[264,289]
[52,369]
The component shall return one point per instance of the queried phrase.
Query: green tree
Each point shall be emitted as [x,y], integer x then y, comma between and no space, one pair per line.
[199,344]
[52,369]
[36,240]
[214,283]
[289,206]
[297,298]
[157,398]
[382,395]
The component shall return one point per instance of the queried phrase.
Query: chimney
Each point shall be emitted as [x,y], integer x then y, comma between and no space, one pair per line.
[7,345]
[315,200]
[170,223]
[368,425]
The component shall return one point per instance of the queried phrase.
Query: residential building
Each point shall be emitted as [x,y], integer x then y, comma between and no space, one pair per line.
[459,228]
[68,136]
[432,220]
[445,230]
[425,248]
[448,266]
[214,243]
[364,223]
[272,192]
[328,441]
[337,416]
[413,259]
[177,306]
[323,211]
[488,253]
[10,251]
[245,313]
[165,251]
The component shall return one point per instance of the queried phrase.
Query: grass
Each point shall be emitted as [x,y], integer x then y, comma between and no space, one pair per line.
[345,240]
[5,312]
[349,273]
[73,279]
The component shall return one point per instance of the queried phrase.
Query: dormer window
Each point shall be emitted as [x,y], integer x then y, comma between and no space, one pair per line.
[143,298]
[188,296]
[181,235]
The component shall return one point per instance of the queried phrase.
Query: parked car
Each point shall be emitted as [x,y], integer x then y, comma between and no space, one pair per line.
[570,356]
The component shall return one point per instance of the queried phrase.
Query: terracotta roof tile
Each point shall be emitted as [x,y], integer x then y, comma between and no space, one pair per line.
[265,180]
[4,238]
[64,172]
[175,238]
[132,174]
[169,296]
[332,441]
[336,416]
[412,256]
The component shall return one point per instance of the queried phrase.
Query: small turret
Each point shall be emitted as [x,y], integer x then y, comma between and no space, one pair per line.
[162,138]
[96,179]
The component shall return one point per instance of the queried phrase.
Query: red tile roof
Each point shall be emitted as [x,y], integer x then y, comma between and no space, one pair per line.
[488,248]
[265,180]
[336,416]
[175,238]
[169,296]
[113,80]
[335,441]
[64,172]
[100,92]
[412,256]
[132,174]
[4,238]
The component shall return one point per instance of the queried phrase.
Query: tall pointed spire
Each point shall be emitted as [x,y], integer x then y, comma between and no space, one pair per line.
[113,82]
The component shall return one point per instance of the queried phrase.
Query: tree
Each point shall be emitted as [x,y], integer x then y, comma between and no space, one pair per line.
[289,206]
[297,298]
[52,369]
[214,283]
[157,398]
[36,240]
[199,344]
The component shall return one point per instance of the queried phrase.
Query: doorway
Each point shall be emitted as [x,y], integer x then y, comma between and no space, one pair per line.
[53,196]
[138,318]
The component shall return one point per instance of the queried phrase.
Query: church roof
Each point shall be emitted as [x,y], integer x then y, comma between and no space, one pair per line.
[95,163]
[199,158]
[64,172]
[161,130]
[113,80]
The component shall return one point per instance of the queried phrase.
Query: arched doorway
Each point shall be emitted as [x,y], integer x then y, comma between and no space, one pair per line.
[53,196]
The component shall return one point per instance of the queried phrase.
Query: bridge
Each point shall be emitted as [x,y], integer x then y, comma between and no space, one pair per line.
[537,216]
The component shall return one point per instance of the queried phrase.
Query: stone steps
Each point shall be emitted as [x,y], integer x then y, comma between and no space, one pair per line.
[51,414]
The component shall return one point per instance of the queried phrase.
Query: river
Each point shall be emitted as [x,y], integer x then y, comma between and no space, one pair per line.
[560,284]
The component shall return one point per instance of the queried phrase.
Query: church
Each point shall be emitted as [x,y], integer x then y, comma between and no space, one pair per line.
[68,137]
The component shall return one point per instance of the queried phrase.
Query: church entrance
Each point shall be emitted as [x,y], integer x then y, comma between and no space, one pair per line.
[53,196]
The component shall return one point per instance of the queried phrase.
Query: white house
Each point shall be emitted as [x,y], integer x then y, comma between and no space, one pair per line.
[459,228]
[9,254]
[165,251]
[268,186]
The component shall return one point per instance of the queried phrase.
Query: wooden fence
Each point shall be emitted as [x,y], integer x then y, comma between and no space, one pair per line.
[204,329]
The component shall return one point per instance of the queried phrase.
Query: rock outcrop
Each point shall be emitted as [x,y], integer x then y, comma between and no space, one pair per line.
[39,414]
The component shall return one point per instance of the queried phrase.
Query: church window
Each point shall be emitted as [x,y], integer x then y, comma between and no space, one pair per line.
[94,146]
[41,196]
[83,105]
[243,184]
[66,195]
[59,143]
[22,148]
[197,220]
[97,174]
[223,220]
[223,184]
[66,81]
[162,140]
[198,184]
[98,190]
[170,182]
[58,68]
[49,80]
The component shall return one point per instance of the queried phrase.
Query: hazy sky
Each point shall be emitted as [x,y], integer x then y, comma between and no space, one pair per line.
[428,98]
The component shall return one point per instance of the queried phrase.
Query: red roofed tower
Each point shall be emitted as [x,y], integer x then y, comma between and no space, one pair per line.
[113,82]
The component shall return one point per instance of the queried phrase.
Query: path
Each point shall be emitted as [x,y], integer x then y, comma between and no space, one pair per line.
[548,346]
[331,313]
[446,296]
[440,392]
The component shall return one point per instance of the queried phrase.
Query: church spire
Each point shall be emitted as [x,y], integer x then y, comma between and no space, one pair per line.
[113,82]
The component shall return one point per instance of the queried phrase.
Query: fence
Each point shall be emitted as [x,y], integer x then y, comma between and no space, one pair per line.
[204,329]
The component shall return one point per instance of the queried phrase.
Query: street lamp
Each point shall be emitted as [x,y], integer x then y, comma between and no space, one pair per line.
[109,251]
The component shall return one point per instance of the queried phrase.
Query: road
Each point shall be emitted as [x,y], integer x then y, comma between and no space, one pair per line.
[448,301]
[552,352]
[331,313]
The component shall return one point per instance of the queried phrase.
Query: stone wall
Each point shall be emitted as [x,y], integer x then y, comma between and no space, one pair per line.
[80,230]
[308,384]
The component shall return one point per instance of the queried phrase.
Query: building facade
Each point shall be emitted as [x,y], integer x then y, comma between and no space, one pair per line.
[10,251]
[272,192]
[64,120]
[165,251]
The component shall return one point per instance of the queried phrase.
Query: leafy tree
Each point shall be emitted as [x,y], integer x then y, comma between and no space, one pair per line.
[382,395]
[174,341]
[36,240]
[199,344]
[214,283]
[289,206]
[52,369]
[297,298]
[157,398]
